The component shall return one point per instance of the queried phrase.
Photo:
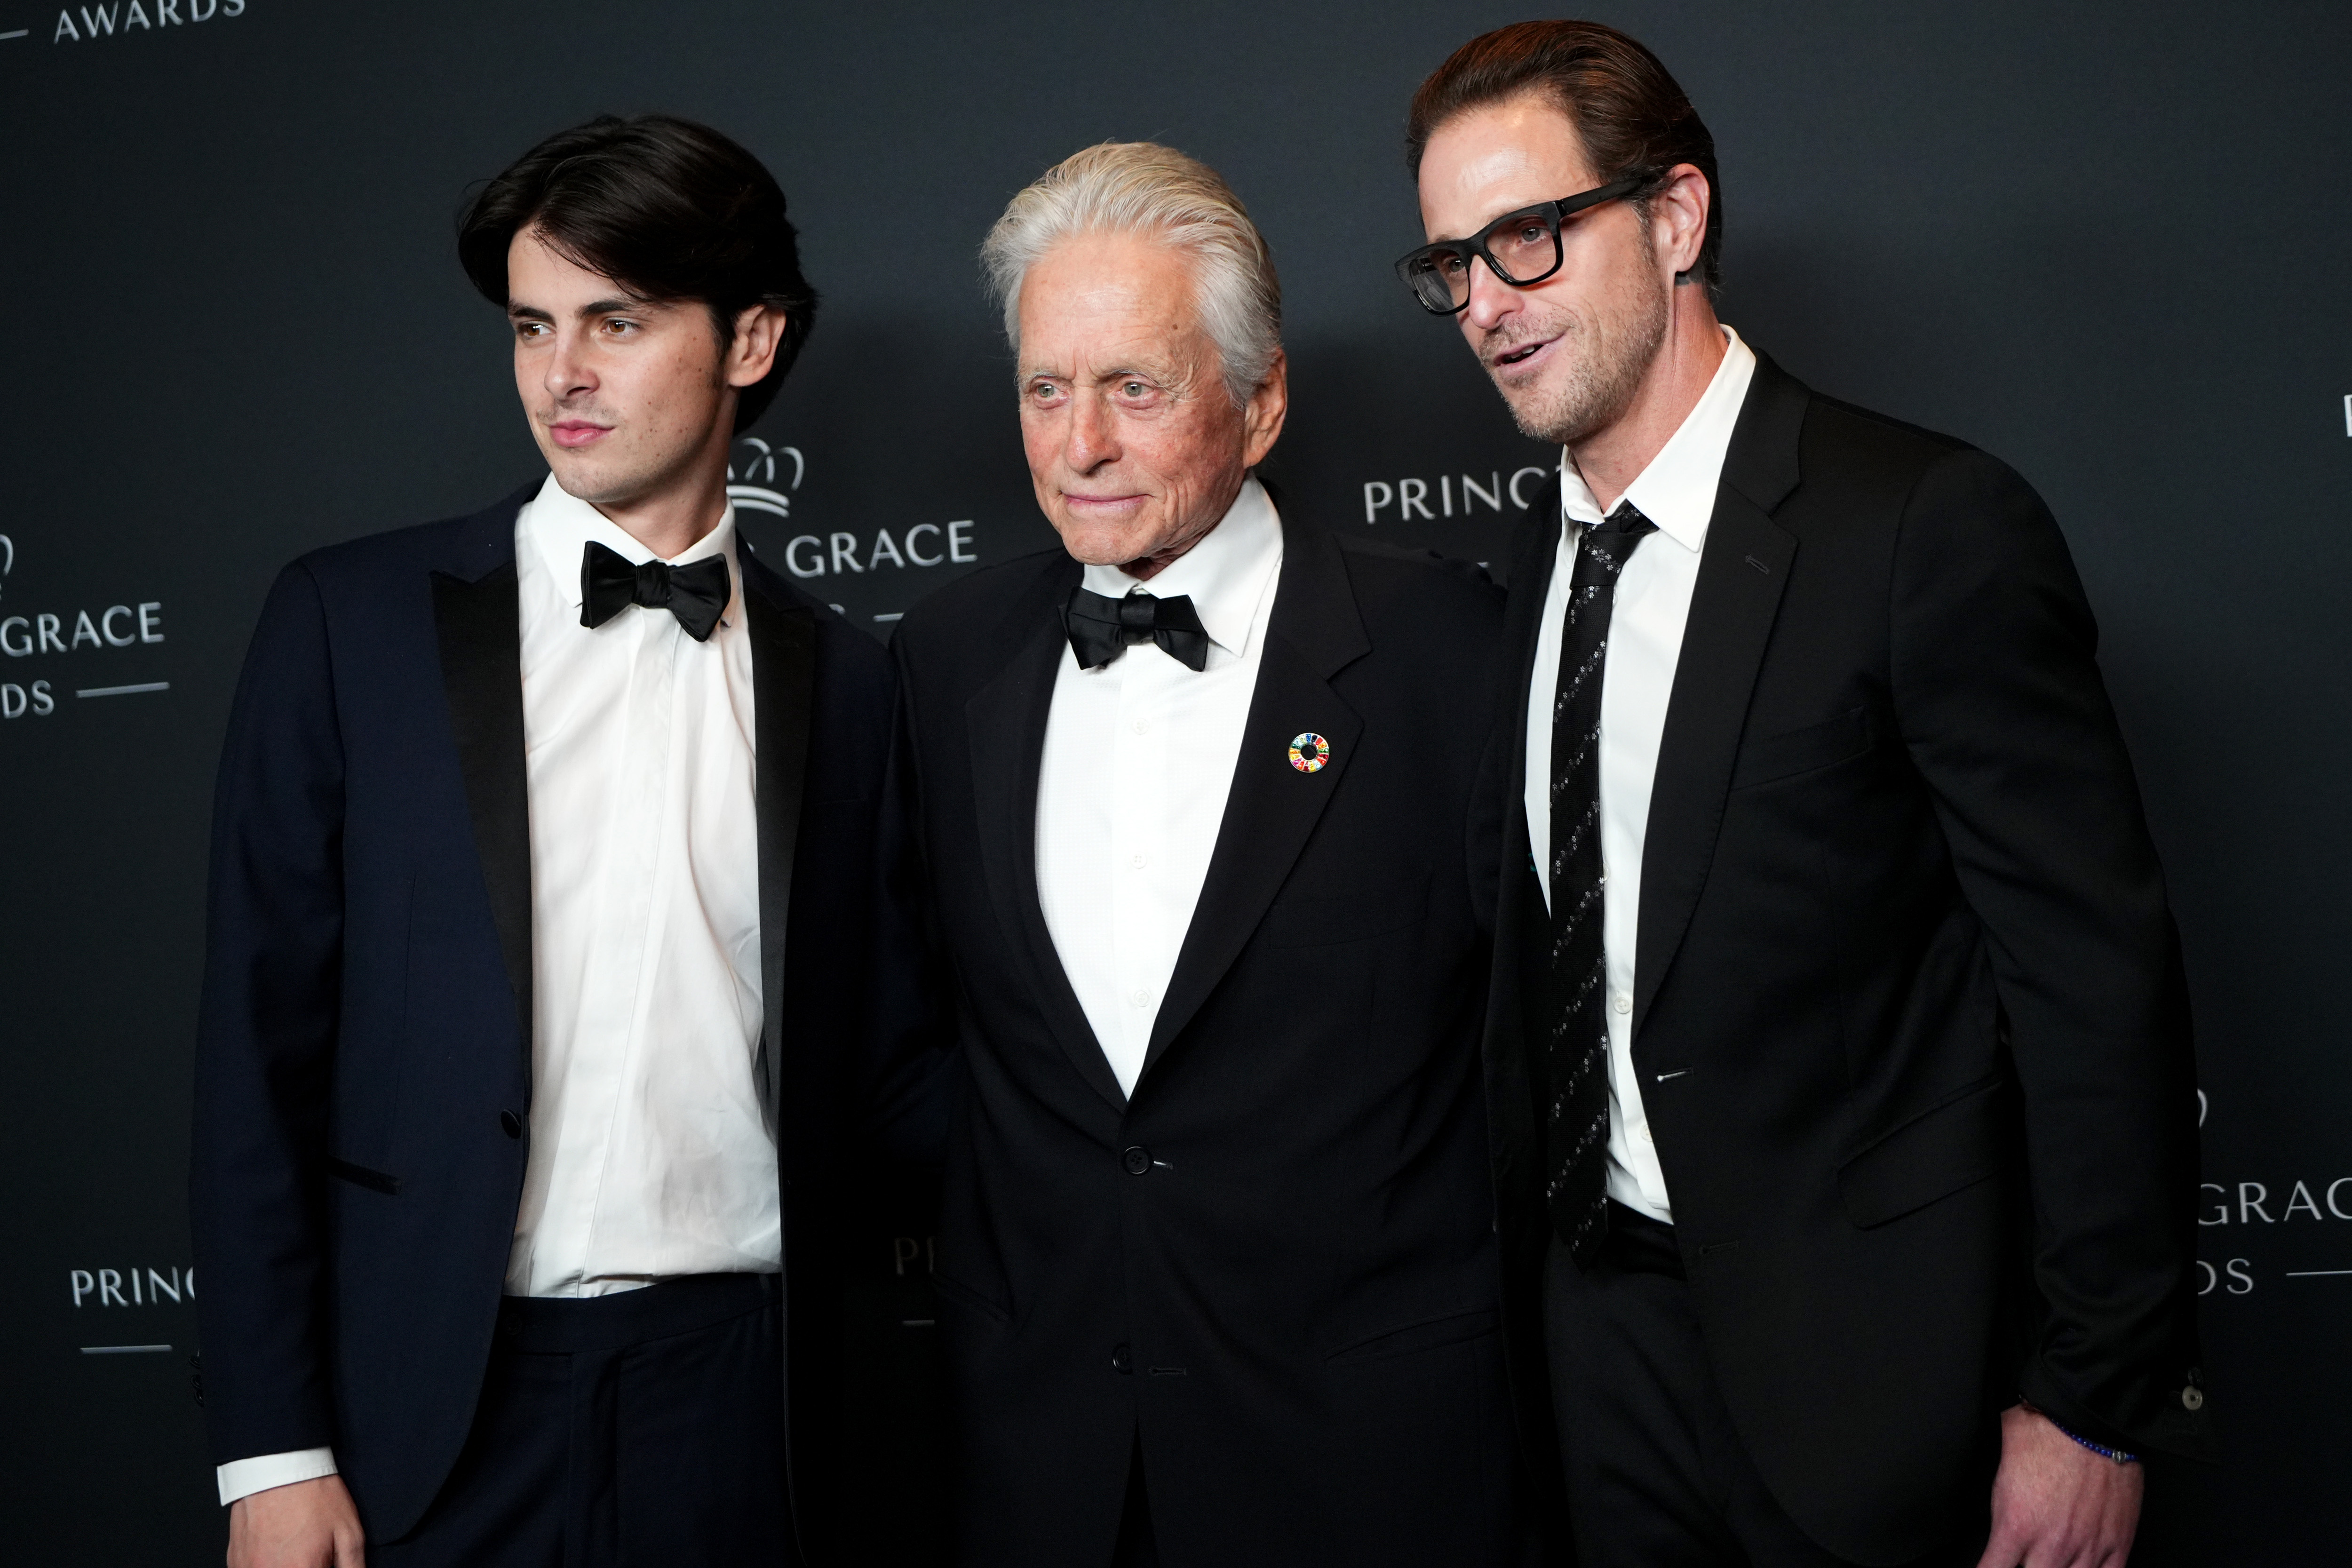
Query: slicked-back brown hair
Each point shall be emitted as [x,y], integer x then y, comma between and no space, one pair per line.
[1631,114]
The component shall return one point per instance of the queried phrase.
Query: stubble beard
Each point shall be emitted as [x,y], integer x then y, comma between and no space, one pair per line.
[1599,382]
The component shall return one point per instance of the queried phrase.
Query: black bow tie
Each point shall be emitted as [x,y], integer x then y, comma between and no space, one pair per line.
[697,594]
[1101,627]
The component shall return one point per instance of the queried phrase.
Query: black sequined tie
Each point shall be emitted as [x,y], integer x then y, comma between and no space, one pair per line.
[1576,1054]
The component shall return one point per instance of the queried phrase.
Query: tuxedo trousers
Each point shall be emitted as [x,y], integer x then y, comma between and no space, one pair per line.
[1657,1475]
[621,1431]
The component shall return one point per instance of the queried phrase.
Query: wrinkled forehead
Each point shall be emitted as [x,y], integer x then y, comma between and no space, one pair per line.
[1124,296]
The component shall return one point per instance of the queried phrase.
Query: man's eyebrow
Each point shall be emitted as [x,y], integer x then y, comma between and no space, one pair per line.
[520,311]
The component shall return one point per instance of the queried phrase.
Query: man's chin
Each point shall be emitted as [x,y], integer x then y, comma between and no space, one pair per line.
[594,479]
[1092,545]
[1555,416]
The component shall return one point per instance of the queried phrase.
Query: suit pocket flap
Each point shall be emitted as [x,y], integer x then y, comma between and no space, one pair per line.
[1432,1334]
[360,1176]
[1794,751]
[952,1290]
[1956,1145]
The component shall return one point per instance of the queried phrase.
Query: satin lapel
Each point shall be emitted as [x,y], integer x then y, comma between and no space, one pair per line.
[1313,632]
[477,620]
[1005,724]
[783,700]
[1741,578]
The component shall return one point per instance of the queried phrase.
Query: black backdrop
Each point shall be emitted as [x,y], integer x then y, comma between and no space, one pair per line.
[2108,242]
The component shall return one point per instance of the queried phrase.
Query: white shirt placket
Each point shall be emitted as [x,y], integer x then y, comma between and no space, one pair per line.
[619,977]
[1136,813]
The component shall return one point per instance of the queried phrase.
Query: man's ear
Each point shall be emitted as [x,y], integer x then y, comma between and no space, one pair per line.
[758,332]
[1678,218]
[1263,416]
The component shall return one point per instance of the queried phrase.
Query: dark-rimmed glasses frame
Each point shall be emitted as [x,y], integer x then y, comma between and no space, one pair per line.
[1432,271]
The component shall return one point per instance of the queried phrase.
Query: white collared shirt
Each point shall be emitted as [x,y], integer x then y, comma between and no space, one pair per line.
[1139,760]
[1677,491]
[650,1152]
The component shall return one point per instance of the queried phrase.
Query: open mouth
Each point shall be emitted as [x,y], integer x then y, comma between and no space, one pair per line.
[1524,352]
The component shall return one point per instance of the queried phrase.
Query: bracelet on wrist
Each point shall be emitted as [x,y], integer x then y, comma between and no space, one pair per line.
[2117,1455]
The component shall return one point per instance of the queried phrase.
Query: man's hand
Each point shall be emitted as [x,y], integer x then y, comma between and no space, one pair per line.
[306,1524]
[2055,1504]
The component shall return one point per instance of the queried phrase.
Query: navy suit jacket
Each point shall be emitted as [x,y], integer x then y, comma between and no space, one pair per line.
[364,1077]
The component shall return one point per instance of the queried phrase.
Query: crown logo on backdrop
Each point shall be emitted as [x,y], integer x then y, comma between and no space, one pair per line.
[756,460]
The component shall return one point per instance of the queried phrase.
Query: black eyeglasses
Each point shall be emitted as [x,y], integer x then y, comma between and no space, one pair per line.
[1520,247]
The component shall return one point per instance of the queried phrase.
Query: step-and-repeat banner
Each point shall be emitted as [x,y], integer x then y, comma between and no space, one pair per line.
[2107,242]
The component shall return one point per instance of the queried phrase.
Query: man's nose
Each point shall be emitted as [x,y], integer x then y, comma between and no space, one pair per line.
[1093,434]
[1491,298]
[568,371]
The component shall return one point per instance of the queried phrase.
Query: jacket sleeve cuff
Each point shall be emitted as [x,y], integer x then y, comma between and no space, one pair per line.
[2172,1416]
[242,1477]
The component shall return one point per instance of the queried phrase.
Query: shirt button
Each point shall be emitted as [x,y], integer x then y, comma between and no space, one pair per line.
[1136,1158]
[1623,1003]
[1139,862]
[1142,998]
[1143,726]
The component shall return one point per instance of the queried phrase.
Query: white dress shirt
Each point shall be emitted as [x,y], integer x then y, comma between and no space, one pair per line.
[650,1152]
[1677,491]
[1139,760]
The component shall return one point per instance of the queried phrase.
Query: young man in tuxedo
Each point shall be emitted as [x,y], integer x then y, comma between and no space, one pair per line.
[554,948]
[1200,804]
[1838,1047]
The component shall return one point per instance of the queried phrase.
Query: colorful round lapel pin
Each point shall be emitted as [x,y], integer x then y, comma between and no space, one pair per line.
[1309,751]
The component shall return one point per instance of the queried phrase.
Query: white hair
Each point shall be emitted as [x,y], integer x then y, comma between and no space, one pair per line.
[1143,188]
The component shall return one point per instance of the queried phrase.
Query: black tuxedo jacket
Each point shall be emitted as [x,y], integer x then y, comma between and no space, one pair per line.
[1274,1267]
[1908,1018]
[364,1061]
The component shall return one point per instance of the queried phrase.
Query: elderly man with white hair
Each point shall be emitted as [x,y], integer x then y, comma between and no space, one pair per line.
[1201,809]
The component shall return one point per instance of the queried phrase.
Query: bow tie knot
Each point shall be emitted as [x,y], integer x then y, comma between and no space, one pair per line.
[696,592]
[1101,627]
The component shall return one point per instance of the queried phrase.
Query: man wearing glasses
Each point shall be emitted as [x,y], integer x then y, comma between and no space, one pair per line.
[1838,1056]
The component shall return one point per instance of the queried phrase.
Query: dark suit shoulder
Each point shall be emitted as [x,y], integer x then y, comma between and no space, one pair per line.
[973,605]
[1844,435]
[1447,594]
[467,546]
[1858,465]
[396,549]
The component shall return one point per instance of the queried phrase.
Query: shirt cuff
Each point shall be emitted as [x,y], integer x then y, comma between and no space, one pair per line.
[242,1477]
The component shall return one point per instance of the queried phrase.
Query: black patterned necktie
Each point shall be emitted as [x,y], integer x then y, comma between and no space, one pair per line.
[696,592]
[1101,627]
[1576,1055]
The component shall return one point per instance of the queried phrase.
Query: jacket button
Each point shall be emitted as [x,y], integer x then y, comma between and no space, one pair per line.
[1121,1362]
[2192,1398]
[1137,1159]
[511,1122]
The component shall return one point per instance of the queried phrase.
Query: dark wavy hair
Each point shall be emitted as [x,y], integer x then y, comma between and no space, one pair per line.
[670,210]
[1632,117]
